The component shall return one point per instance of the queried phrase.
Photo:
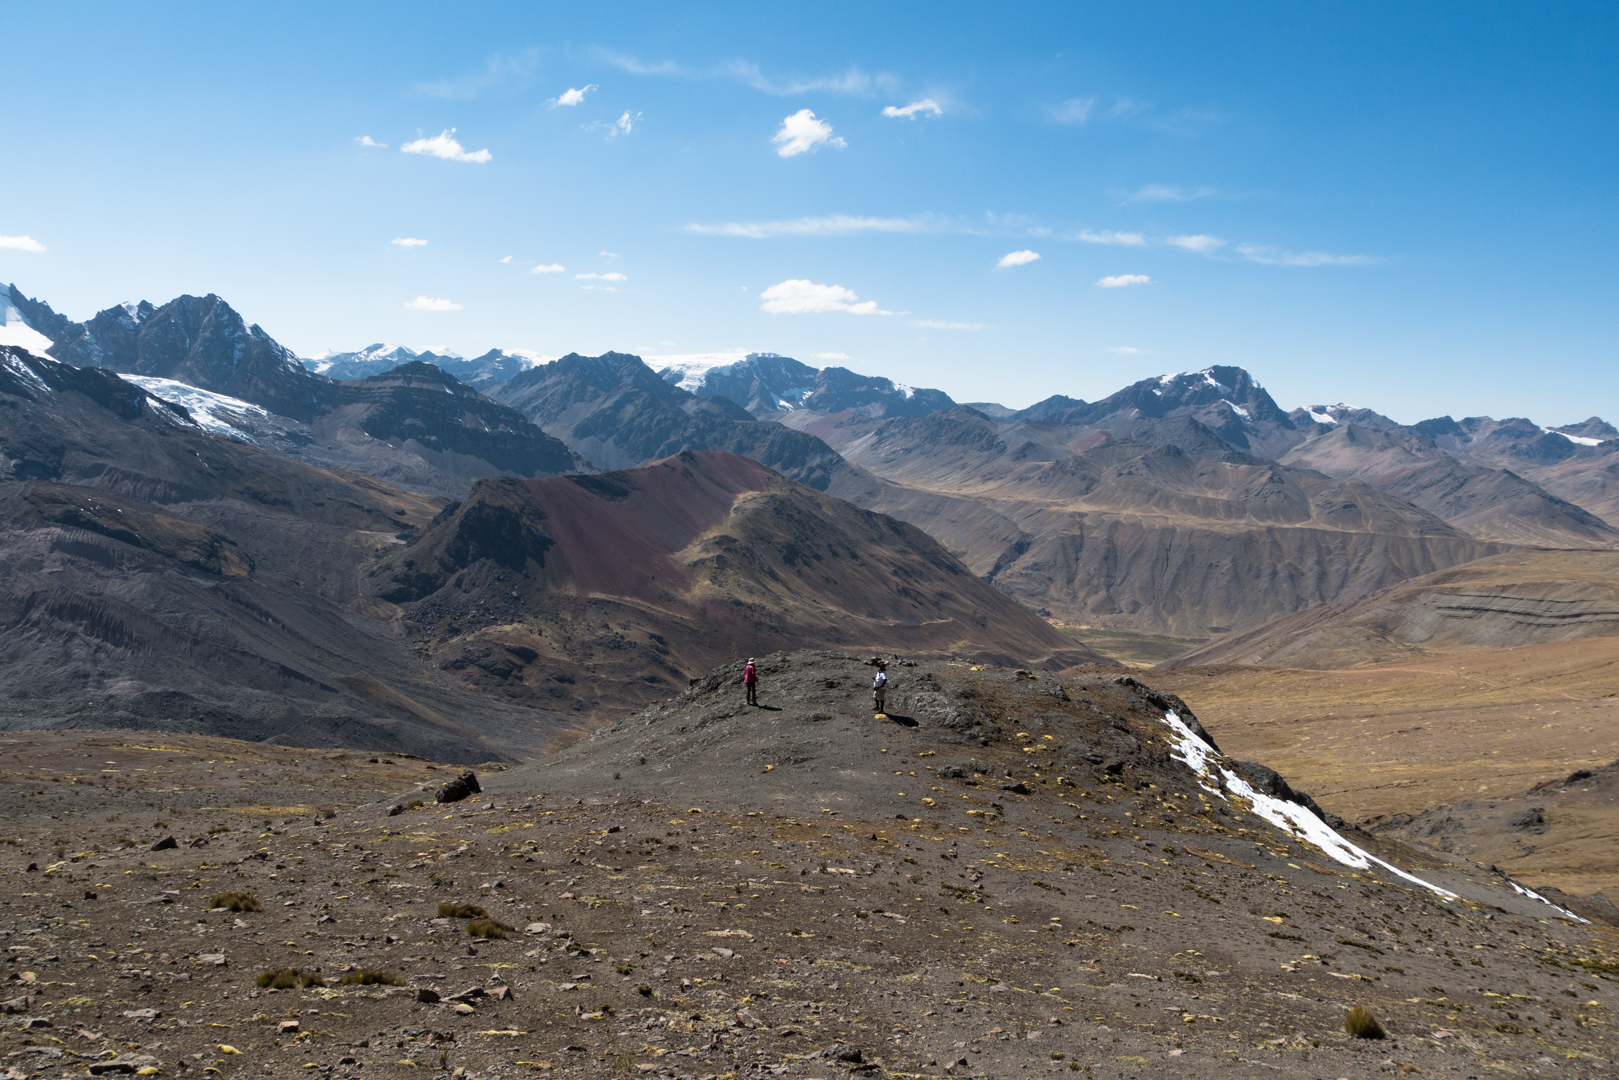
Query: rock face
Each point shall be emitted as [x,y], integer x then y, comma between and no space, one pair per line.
[1138,533]
[591,592]
[204,342]
[617,413]
[1491,503]
[410,423]
[481,372]
[155,575]
[1520,598]
[420,408]
[769,386]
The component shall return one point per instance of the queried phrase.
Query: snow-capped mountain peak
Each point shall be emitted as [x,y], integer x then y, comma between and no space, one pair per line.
[16,330]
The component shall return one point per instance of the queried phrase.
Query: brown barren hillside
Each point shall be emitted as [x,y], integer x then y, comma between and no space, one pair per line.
[1519,598]
[1166,531]
[593,592]
[1374,742]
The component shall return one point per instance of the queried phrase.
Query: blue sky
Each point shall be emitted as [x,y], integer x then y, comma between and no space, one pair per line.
[1407,207]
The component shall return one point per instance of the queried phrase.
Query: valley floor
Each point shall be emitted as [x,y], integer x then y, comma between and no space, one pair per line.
[1483,725]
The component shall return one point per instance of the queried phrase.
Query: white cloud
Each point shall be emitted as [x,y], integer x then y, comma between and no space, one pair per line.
[910,112]
[626,123]
[801,133]
[830,356]
[799,296]
[433,303]
[366,140]
[572,97]
[1072,111]
[1108,236]
[1198,242]
[1017,258]
[1271,256]
[609,254]
[1119,281]
[1123,350]
[548,268]
[1167,193]
[21,243]
[938,324]
[408,242]
[507,259]
[614,276]
[443,145]
[831,225]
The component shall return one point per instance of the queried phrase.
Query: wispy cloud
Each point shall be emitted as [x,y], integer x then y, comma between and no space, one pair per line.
[507,259]
[21,243]
[444,145]
[830,225]
[851,81]
[1016,258]
[1198,242]
[802,132]
[609,254]
[915,108]
[1273,256]
[1108,236]
[499,71]
[366,140]
[939,324]
[622,126]
[1073,111]
[1166,193]
[549,268]
[571,97]
[409,242]
[1121,281]
[799,296]
[612,276]
[433,303]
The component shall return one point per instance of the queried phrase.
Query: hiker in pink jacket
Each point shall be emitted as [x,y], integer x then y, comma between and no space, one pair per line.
[750,679]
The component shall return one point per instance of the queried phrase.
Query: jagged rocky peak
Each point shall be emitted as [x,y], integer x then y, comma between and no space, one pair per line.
[768,385]
[480,372]
[1329,416]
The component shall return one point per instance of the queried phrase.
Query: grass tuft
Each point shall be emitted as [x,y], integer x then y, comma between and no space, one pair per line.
[236,901]
[1363,1025]
[461,911]
[488,928]
[287,979]
[370,977]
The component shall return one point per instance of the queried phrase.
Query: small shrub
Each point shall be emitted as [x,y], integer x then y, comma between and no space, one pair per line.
[1363,1025]
[644,990]
[370,977]
[236,901]
[487,928]
[461,911]
[287,979]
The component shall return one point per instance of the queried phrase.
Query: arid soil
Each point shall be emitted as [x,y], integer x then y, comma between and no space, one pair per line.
[1008,875]
[1485,724]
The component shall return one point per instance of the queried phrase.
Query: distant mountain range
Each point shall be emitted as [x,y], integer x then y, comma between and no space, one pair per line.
[1190,504]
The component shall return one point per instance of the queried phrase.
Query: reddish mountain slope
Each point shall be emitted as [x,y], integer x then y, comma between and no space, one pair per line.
[589,592]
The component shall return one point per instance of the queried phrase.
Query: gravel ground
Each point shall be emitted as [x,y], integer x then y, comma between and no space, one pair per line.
[1009,875]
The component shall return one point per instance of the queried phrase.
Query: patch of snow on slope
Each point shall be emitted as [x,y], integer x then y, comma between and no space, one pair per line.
[1323,417]
[211,411]
[529,357]
[1238,409]
[15,331]
[1577,440]
[687,370]
[26,373]
[1290,817]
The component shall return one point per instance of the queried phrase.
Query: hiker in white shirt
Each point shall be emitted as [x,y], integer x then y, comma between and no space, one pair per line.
[879,687]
